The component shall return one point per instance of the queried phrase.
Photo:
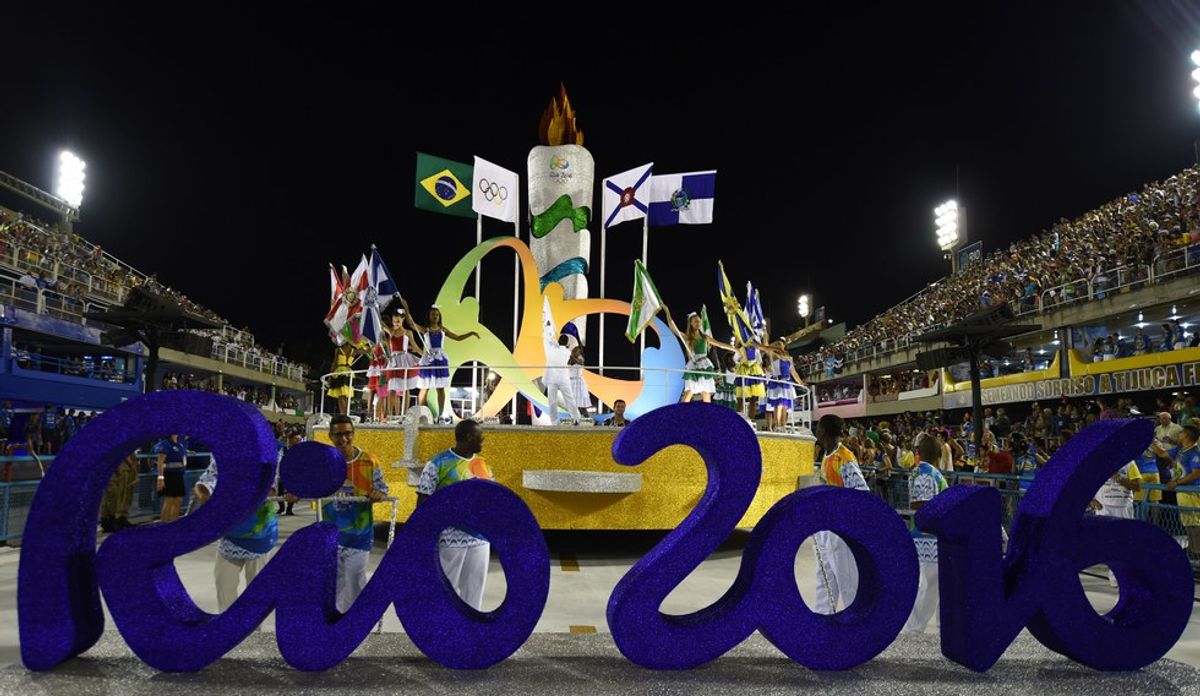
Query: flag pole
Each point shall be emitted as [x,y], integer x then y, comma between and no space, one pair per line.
[516,293]
[645,258]
[603,259]
[479,302]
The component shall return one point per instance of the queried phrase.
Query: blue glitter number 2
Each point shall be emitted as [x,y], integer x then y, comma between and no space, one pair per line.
[764,595]
[61,571]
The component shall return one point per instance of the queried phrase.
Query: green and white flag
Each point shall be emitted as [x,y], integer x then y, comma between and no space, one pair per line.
[443,186]
[705,327]
[645,303]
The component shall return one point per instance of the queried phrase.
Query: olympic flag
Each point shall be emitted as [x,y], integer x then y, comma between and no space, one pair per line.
[495,190]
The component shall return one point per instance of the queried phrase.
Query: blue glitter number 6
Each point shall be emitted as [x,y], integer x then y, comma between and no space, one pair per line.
[61,572]
[764,595]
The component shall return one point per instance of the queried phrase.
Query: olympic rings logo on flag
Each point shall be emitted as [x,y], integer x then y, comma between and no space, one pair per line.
[493,192]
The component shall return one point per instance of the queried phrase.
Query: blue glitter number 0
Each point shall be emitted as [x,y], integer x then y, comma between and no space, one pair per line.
[764,595]
[60,571]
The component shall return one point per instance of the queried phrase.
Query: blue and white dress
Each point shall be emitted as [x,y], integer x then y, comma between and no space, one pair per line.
[781,392]
[435,366]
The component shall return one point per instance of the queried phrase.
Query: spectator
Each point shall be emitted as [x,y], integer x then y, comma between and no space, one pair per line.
[1120,239]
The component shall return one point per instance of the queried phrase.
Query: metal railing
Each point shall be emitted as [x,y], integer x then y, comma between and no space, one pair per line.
[799,415]
[102,291]
[1178,261]
[16,497]
[895,487]
[71,368]
[44,301]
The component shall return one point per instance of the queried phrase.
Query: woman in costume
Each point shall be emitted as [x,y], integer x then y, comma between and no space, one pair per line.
[376,393]
[750,387]
[781,395]
[698,377]
[435,366]
[339,382]
[726,382]
[402,365]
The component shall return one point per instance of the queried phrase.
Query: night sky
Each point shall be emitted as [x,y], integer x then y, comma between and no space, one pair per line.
[236,155]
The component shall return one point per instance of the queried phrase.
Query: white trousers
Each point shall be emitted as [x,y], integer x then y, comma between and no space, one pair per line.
[351,576]
[228,573]
[466,569]
[553,390]
[840,573]
[926,605]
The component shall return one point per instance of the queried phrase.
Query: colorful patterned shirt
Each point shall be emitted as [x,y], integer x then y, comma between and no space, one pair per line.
[255,536]
[354,520]
[445,469]
[840,468]
[927,483]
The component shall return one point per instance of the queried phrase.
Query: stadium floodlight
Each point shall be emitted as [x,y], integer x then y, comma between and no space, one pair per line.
[1196,76]
[70,178]
[802,306]
[946,218]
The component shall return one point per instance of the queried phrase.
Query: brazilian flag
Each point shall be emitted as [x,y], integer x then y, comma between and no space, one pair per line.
[443,186]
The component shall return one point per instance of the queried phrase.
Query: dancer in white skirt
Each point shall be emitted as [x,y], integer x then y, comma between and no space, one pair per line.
[375,394]
[435,366]
[698,377]
[402,365]
[781,392]
[583,399]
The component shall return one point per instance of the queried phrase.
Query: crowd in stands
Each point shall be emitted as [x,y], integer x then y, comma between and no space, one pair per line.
[258,395]
[63,263]
[30,357]
[1131,233]
[1039,428]
[885,386]
[42,431]
[1173,336]
[834,393]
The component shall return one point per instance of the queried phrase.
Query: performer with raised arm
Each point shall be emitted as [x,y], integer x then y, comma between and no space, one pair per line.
[435,366]
[698,377]
[401,375]
[344,356]
[781,394]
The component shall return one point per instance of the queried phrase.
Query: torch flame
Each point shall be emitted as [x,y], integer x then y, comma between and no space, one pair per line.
[557,126]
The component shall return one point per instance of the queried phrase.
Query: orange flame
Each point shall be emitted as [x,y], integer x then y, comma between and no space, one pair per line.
[557,126]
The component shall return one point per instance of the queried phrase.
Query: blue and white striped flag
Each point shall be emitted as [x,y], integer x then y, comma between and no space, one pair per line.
[379,290]
[682,199]
[754,308]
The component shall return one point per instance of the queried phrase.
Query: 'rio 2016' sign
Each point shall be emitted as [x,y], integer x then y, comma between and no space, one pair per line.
[987,597]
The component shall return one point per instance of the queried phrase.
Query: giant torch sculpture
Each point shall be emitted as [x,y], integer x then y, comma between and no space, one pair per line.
[560,201]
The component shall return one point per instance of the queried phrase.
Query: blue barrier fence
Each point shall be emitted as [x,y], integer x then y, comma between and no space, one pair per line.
[16,496]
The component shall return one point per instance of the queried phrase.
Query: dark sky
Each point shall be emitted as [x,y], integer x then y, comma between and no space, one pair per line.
[236,155]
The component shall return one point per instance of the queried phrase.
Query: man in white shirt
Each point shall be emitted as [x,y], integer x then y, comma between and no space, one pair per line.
[1167,431]
[558,380]
[1115,498]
